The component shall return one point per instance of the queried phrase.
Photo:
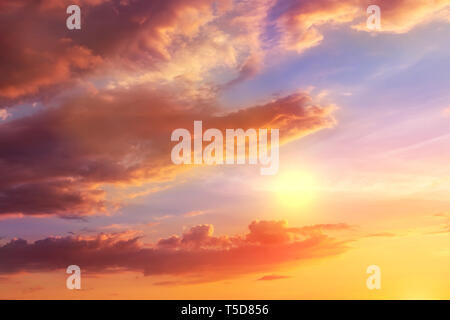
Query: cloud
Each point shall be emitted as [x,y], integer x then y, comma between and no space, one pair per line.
[4,114]
[179,41]
[382,234]
[40,53]
[301,22]
[249,69]
[402,16]
[26,70]
[195,213]
[272,277]
[55,197]
[57,161]
[196,253]
[442,215]
[443,228]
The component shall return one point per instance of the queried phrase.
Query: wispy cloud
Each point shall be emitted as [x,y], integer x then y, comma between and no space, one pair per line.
[273,277]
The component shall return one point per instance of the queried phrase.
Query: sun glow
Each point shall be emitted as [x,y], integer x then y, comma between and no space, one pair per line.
[295,189]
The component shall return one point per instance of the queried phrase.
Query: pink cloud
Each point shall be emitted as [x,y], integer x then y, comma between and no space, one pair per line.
[196,252]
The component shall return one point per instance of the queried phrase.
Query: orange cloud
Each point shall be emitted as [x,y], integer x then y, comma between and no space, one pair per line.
[301,23]
[401,16]
[27,70]
[39,53]
[272,277]
[195,213]
[194,38]
[195,252]
[56,161]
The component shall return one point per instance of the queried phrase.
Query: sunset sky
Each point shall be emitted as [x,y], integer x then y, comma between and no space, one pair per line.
[86,176]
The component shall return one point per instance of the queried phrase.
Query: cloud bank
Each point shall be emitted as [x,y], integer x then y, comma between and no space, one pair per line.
[197,253]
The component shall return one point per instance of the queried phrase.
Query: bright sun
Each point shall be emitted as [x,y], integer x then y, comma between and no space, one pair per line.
[294,188]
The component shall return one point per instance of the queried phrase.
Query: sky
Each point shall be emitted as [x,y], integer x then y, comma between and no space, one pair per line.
[87,179]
